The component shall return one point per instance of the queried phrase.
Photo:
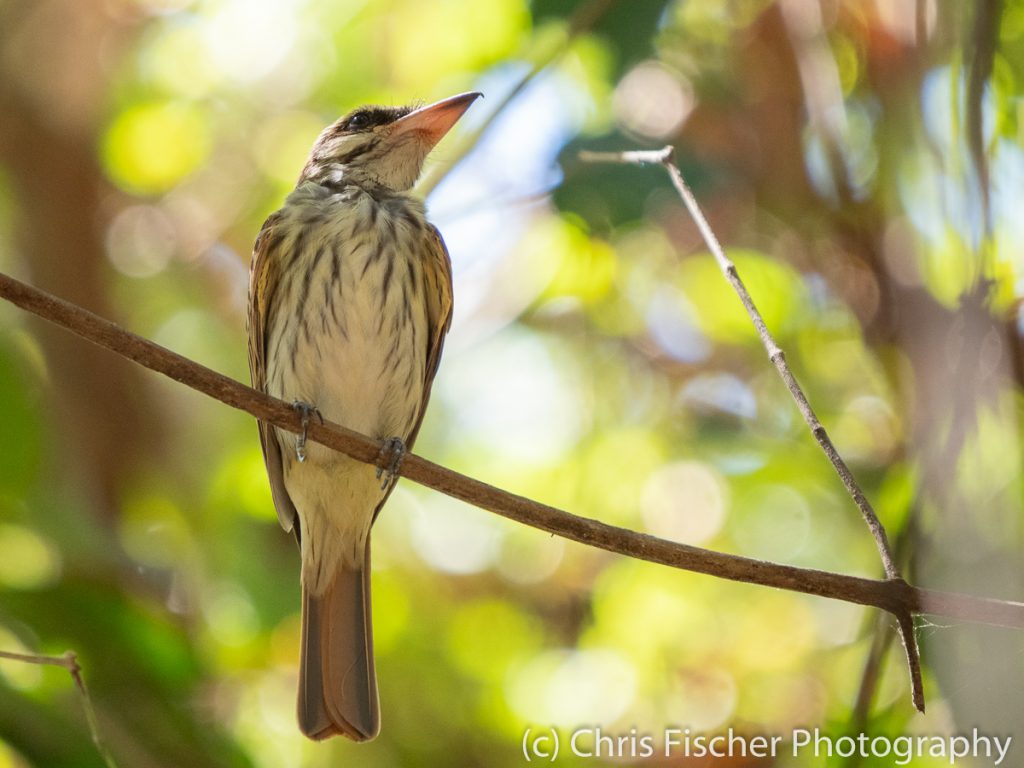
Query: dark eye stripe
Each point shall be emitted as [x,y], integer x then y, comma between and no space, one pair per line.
[352,154]
[369,117]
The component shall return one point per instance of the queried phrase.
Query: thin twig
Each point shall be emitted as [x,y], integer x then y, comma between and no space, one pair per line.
[582,20]
[880,629]
[985,43]
[69,661]
[881,639]
[894,596]
[664,158]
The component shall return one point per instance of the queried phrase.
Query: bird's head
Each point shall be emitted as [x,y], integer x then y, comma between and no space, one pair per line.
[382,146]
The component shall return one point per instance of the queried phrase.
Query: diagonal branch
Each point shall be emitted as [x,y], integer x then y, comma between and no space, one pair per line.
[69,661]
[582,20]
[664,157]
[979,70]
[892,595]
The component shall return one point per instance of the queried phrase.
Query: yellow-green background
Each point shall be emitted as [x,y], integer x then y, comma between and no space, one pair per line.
[862,161]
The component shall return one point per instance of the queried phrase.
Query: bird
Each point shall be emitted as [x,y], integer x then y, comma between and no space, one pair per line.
[350,299]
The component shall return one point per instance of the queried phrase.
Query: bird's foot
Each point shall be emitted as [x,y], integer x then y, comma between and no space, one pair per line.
[389,460]
[305,410]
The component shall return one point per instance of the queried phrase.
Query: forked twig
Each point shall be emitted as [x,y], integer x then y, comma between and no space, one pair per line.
[665,158]
[894,595]
[69,661]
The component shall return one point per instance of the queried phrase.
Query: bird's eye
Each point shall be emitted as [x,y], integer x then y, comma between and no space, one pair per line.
[358,121]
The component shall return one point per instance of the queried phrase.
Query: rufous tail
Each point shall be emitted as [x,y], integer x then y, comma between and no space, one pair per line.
[337,681]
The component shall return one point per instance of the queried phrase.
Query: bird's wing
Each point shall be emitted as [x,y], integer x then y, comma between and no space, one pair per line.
[263,281]
[437,278]
[437,283]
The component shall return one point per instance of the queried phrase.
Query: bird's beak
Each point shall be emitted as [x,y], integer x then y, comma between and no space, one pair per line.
[434,121]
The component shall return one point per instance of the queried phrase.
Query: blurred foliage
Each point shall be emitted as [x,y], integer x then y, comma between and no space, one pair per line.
[862,161]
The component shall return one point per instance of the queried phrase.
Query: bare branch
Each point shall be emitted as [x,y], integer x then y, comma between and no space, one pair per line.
[583,19]
[69,661]
[893,595]
[664,157]
[881,639]
[979,70]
